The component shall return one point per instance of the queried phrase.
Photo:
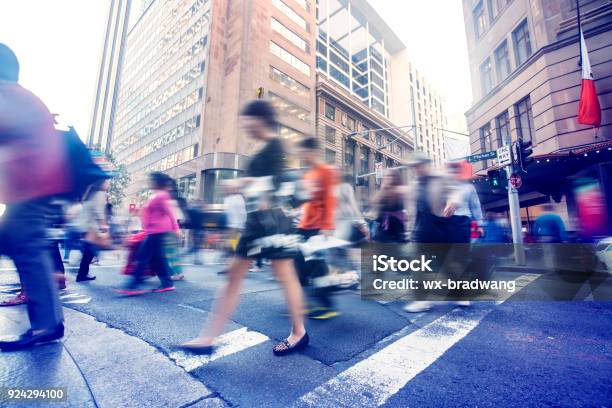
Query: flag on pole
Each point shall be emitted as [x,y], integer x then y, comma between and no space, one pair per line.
[589,111]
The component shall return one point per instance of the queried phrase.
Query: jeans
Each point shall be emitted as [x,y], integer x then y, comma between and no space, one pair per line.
[22,238]
[152,253]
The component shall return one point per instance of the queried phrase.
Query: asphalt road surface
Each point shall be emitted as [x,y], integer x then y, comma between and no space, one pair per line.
[511,353]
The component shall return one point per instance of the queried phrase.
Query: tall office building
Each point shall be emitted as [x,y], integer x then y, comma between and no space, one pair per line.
[373,107]
[526,84]
[108,78]
[191,65]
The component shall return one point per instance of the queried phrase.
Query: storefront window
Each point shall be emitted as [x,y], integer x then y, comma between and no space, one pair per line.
[213,179]
[187,186]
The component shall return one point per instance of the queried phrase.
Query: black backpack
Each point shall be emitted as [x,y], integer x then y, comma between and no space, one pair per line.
[83,171]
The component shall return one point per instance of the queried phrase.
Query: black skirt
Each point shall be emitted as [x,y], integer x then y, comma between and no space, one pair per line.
[268,234]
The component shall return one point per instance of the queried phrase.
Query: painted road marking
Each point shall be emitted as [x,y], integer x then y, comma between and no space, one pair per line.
[82,300]
[227,344]
[74,299]
[375,379]
[71,295]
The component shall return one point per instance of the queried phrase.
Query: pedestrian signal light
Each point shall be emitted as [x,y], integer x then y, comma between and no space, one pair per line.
[132,208]
[496,179]
[524,150]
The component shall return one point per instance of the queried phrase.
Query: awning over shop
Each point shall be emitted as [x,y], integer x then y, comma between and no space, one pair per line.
[549,175]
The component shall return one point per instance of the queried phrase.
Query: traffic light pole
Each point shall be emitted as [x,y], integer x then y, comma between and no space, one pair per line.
[515,220]
[515,211]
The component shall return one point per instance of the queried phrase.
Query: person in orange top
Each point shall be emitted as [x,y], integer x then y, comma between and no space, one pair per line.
[318,218]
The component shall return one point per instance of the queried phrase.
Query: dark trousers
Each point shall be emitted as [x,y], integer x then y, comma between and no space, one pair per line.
[312,269]
[197,238]
[58,263]
[22,238]
[89,253]
[152,253]
[71,242]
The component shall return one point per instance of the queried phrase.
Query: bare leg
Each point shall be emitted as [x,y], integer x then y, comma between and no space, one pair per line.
[294,296]
[227,300]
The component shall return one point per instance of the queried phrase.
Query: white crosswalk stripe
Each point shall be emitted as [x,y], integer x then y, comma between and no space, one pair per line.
[74,298]
[374,380]
[227,344]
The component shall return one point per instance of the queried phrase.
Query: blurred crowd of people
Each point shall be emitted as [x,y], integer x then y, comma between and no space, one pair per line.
[303,223]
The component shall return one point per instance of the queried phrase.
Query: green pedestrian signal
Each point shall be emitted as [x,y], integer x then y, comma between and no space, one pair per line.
[497,179]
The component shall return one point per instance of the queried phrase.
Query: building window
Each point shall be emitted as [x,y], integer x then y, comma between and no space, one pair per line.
[502,123]
[288,11]
[400,151]
[330,156]
[379,140]
[213,180]
[350,124]
[291,134]
[502,61]
[485,76]
[289,58]
[339,61]
[339,76]
[365,132]
[330,134]
[522,43]
[321,63]
[289,35]
[524,120]
[480,21]
[485,140]
[349,152]
[187,187]
[363,159]
[322,48]
[288,82]
[288,108]
[495,7]
[330,111]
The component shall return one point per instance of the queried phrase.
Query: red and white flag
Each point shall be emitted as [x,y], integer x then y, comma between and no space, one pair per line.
[589,111]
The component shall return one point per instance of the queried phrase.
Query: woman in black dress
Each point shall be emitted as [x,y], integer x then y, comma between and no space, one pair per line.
[267,234]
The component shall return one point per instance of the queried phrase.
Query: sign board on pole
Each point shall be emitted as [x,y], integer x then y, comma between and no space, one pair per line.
[482,156]
[516,181]
[503,156]
[378,167]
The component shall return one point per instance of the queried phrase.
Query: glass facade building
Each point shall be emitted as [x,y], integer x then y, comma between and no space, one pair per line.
[351,51]
[159,103]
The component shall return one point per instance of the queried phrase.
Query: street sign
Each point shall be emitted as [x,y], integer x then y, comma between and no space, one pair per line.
[378,167]
[516,181]
[482,156]
[503,156]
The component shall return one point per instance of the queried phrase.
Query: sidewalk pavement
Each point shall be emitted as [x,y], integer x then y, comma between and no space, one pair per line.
[99,366]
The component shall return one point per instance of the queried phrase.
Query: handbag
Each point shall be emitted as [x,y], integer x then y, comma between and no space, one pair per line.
[101,239]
